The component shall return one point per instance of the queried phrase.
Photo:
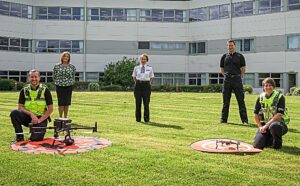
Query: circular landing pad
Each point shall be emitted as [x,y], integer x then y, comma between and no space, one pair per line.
[224,146]
[82,144]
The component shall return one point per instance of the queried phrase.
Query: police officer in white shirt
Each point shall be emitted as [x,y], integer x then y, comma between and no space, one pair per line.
[142,75]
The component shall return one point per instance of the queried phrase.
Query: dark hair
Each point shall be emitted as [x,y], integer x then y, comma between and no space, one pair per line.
[144,55]
[33,70]
[62,56]
[231,41]
[269,81]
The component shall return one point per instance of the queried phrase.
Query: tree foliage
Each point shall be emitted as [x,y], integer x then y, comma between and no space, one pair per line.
[119,73]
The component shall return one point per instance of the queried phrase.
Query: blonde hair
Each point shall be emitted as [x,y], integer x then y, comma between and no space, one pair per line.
[62,56]
[144,55]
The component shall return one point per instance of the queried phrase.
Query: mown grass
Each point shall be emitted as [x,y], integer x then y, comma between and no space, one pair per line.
[155,154]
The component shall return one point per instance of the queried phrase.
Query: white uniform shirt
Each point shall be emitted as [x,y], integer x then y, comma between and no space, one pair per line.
[146,76]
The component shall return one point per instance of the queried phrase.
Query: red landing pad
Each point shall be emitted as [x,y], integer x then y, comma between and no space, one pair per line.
[82,144]
[227,146]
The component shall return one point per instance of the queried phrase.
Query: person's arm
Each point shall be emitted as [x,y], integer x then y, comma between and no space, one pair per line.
[55,73]
[256,116]
[74,74]
[222,64]
[151,76]
[243,65]
[47,114]
[222,71]
[134,75]
[34,119]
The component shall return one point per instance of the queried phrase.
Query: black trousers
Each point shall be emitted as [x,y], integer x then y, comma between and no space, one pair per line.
[273,136]
[233,84]
[142,92]
[19,118]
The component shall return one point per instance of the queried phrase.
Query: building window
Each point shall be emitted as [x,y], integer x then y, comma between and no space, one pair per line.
[63,13]
[249,79]
[196,79]
[216,78]
[199,14]
[268,6]
[218,12]
[15,9]
[244,45]
[293,4]
[278,78]
[197,48]
[169,79]
[293,42]
[144,45]
[167,46]
[131,15]
[242,9]
[58,46]
[145,15]
[15,44]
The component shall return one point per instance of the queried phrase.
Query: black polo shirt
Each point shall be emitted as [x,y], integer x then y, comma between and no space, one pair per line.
[232,63]
[280,105]
[48,96]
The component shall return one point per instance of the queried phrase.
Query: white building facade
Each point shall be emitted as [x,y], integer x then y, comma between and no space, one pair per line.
[184,39]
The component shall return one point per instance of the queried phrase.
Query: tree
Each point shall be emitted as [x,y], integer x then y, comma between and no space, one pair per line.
[119,73]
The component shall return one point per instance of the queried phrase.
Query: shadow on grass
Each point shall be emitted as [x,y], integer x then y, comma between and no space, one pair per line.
[242,125]
[293,130]
[290,150]
[155,124]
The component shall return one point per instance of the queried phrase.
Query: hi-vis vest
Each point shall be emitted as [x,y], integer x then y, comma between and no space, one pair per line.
[269,107]
[35,100]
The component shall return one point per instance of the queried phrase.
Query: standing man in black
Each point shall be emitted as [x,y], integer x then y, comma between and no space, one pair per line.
[233,67]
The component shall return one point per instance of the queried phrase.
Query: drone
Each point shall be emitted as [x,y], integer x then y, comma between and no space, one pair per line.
[63,125]
[228,142]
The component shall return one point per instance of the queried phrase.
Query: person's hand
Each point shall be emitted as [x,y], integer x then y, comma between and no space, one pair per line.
[34,119]
[262,129]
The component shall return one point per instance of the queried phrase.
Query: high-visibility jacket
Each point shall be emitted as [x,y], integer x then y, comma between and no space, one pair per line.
[35,100]
[269,107]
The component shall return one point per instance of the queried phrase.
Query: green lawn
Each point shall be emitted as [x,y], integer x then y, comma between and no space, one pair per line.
[155,154]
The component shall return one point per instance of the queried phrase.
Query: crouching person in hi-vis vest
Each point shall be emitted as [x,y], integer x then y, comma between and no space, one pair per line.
[271,117]
[35,107]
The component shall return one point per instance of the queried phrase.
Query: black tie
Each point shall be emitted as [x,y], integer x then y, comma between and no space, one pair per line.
[143,70]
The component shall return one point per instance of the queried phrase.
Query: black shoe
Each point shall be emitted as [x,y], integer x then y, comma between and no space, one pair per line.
[18,139]
[223,122]
[245,122]
[137,120]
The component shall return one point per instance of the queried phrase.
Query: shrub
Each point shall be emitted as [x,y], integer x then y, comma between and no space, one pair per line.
[248,88]
[93,87]
[20,85]
[296,92]
[211,88]
[50,86]
[7,84]
[112,88]
[81,86]
[292,89]
[280,90]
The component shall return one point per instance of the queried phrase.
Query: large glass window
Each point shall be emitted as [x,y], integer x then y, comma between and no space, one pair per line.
[243,9]
[169,15]
[267,6]
[15,9]
[293,4]
[157,15]
[58,46]
[14,44]
[167,45]
[199,14]
[63,13]
[278,78]
[144,45]
[249,79]
[4,8]
[105,14]
[4,43]
[119,14]
[244,45]
[293,42]
[93,14]
[197,48]
[214,12]
[196,79]
[131,14]
[216,78]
